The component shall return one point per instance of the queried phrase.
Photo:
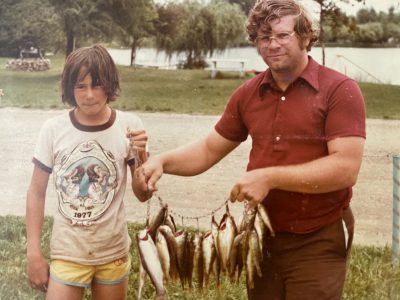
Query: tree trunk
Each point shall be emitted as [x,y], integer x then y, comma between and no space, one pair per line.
[189,60]
[133,51]
[70,42]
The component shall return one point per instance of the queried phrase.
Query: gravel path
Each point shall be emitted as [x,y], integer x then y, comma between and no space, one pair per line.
[200,195]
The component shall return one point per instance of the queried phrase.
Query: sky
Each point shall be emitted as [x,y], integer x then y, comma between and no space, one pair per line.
[354,6]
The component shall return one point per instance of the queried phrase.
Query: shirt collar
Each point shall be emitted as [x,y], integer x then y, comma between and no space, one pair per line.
[309,75]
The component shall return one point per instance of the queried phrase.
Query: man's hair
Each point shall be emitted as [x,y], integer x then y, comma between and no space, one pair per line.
[97,62]
[265,11]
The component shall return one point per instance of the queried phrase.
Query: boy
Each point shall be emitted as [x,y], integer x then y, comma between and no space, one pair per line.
[87,150]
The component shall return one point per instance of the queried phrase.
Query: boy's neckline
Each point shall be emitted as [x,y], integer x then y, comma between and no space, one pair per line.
[92,128]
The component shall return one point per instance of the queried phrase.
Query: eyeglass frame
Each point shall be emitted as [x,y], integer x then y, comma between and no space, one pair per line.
[274,36]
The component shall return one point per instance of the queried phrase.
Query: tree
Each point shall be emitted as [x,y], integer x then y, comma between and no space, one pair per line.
[245,5]
[229,25]
[27,22]
[366,16]
[370,33]
[328,12]
[135,21]
[82,19]
[198,29]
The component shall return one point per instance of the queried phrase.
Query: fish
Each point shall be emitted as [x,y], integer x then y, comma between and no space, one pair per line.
[189,263]
[163,252]
[264,216]
[151,262]
[172,250]
[169,220]
[198,267]
[208,251]
[241,223]
[142,280]
[259,227]
[253,259]
[157,221]
[181,239]
[235,257]
[249,217]
[214,232]
[226,234]
[216,269]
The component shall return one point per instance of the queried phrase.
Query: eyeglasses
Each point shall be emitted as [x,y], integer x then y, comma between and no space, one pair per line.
[282,38]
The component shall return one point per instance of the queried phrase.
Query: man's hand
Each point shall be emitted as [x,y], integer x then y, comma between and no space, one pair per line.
[252,187]
[38,272]
[148,174]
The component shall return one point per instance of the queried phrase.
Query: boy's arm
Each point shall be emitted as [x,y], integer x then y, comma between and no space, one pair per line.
[37,266]
[138,143]
[136,185]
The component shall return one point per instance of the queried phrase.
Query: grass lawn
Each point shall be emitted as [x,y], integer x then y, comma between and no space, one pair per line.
[371,275]
[177,91]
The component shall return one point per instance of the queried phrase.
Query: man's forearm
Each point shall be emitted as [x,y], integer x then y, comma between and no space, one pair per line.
[198,157]
[323,175]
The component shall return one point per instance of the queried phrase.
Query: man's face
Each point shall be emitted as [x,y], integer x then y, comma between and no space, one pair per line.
[283,51]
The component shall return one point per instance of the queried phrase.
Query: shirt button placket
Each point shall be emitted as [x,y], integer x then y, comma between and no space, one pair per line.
[278,137]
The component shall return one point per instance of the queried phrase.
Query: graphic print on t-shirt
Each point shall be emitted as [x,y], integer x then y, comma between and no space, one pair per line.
[85,182]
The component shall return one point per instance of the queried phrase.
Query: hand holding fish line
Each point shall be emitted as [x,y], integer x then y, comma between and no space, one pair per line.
[253,187]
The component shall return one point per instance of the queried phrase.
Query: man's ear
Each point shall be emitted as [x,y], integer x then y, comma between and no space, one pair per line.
[305,43]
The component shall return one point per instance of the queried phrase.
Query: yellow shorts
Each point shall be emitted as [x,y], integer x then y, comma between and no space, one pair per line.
[79,275]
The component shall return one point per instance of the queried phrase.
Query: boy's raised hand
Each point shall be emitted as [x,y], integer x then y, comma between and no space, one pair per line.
[138,143]
[137,139]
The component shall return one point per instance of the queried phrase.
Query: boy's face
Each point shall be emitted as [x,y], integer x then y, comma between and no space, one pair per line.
[91,100]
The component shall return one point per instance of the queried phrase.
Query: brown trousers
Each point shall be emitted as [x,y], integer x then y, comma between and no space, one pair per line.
[305,266]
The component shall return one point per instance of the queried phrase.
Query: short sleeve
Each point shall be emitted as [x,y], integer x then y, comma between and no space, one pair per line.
[346,112]
[43,153]
[231,125]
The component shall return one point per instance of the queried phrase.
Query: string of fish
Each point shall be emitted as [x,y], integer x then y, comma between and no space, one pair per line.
[168,254]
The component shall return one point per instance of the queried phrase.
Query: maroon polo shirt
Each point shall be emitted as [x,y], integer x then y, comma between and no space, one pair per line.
[293,127]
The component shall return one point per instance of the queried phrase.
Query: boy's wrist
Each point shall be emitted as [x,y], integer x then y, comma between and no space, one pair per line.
[33,252]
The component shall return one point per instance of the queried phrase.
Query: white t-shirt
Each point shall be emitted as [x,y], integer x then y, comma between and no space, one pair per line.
[89,166]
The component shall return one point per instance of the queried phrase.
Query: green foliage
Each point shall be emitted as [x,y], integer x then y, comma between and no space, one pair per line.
[370,33]
[198,29]
[134,21]
[26,22]
[245,5]
[82,20]
[381,100]
[192,27]
[13,279]
[370,276]
[178,91]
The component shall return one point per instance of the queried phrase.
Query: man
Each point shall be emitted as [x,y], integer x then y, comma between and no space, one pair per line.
[307,125]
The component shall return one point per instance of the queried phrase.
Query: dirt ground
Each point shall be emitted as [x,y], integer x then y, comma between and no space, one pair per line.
[199,196]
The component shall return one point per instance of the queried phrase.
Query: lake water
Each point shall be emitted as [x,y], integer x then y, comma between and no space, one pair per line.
[362,64]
